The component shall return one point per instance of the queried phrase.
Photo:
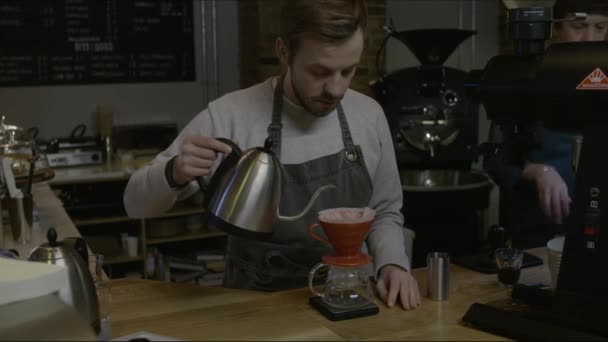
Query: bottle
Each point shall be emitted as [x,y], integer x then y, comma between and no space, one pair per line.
[150,264]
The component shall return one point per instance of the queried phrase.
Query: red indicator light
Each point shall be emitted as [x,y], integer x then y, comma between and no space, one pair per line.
[589,231]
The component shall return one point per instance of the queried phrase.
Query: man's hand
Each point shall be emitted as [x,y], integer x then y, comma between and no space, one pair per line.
[395,283]
[196,157]
[552,191]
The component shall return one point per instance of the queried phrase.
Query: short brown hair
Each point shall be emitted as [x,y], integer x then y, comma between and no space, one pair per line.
[564,8]
[330,20]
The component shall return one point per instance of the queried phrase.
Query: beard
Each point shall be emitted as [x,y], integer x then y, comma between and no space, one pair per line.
[318,106]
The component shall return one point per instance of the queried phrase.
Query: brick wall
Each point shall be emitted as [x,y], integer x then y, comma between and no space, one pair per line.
[505,42]
[259,27]
[248,41]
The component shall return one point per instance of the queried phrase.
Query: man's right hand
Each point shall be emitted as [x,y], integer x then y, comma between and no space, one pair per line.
[196,157]
[552,191]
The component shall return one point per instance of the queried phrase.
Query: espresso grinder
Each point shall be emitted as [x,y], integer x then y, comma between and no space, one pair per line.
[347,291]
[564,87]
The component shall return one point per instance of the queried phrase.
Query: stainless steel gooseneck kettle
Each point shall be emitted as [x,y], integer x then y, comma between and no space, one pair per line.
[244,193]
[72,253]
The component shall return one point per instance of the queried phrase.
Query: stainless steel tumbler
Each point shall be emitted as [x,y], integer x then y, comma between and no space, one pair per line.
[438,275]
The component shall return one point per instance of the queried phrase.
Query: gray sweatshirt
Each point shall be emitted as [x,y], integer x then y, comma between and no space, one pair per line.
[243,116]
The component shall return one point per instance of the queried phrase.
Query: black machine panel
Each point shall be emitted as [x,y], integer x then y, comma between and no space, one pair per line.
[443,114]
[582,283]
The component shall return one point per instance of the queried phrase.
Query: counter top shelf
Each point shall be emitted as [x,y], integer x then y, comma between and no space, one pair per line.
[192,313]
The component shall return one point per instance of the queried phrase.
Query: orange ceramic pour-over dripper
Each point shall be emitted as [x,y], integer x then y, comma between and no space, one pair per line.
[346,229]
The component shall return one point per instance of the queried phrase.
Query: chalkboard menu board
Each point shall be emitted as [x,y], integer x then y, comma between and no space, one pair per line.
[49,42]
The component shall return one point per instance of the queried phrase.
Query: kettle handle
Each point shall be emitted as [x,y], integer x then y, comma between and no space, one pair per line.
[311,278]
[209,189]
[79,246]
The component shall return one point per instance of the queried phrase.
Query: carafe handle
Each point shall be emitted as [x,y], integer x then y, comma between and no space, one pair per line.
[315,236]
[311,278]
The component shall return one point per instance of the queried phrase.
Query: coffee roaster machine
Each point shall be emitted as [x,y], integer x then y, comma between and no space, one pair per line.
[435,133]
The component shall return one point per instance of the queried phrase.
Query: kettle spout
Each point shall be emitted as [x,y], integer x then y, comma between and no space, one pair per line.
[308,206]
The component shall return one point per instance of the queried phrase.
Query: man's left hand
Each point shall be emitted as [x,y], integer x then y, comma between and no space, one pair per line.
[396,283]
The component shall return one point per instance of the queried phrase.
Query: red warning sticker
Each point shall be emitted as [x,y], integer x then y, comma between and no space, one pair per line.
[597,80]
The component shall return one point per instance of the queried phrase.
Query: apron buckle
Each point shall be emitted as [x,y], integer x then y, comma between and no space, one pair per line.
[351,156]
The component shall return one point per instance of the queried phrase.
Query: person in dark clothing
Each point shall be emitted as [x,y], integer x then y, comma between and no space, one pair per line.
[535,199]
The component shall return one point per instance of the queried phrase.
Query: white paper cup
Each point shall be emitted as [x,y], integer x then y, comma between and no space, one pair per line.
[132,246]
[555,248]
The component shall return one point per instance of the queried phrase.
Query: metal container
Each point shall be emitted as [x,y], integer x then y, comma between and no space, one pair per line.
[438,276]
[443,180]
[452,192]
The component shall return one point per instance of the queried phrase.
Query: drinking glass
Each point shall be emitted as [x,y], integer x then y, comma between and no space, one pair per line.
[104,296]
[508,263]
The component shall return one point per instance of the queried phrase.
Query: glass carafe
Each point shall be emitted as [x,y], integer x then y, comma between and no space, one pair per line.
[346,287]
[104,296]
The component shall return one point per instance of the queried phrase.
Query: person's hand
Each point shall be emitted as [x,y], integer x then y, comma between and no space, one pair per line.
[552,191]
[397,284]
[195,158]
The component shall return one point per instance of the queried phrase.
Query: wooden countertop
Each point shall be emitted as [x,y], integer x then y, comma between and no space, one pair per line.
[191,312]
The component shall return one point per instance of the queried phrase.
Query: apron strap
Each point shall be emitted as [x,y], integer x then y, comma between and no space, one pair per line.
[349,145]
[274,129]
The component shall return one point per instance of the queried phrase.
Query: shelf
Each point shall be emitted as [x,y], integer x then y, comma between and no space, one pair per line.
[180,211]
[185,237]
[102,220]
[123,259]
[184,211]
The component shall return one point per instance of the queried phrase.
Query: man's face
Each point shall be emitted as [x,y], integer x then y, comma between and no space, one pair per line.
[320,72]
[594,28]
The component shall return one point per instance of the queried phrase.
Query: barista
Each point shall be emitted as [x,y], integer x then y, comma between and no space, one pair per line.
[323,133]
[536,200]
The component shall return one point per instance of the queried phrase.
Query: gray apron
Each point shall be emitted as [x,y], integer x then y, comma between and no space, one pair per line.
[283,261]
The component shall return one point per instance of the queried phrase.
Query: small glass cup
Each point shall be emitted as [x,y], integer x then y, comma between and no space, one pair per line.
[508,264]
[104,296]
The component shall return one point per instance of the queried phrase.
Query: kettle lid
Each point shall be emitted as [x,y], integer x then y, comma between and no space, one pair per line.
[50,250]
